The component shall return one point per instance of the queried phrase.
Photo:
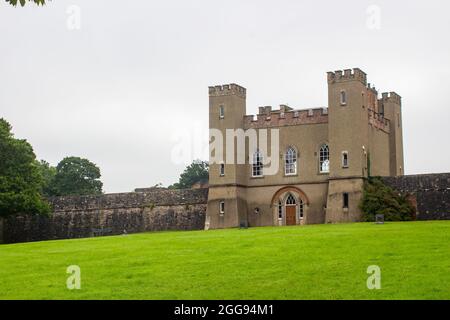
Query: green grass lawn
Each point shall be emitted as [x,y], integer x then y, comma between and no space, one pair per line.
[309,262]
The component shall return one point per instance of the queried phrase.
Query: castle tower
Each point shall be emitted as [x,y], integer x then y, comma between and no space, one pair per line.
[391,105]
[348,122]
[348,143]
[226,200]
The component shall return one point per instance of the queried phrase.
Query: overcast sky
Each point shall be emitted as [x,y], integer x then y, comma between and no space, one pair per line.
[121,85]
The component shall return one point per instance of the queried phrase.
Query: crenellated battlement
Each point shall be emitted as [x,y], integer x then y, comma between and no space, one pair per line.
[227,90]
[286,116]
[391,97]
[347,75]
[266,110]
[378,121]
[372,89]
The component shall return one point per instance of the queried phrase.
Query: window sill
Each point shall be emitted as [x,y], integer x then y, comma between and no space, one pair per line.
[324,173]
[291,174]
[257,177]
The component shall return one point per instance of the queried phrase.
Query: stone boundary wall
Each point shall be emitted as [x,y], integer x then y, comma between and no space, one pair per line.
[430,191]
[111,214]
[163,209]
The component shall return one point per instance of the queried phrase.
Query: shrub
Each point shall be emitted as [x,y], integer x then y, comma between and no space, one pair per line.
[379,198]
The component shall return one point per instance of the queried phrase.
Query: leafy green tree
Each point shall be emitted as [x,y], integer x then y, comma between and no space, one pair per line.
[76,176]
[22,2]
[20,178]
[48,174]
[381,199]
[197,171]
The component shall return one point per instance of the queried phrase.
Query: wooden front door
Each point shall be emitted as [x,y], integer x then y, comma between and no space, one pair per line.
[290,215]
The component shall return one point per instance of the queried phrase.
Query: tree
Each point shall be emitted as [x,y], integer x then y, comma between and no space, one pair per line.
[197,171]
[48,174]
[20,178]
[76,176]
[381,199]
[22,2]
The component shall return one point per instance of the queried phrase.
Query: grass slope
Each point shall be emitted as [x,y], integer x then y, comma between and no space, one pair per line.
[310,262]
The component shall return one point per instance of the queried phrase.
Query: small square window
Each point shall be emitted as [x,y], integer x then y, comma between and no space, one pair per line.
[296,114]
[345,200]
[222,169]
[221,112]
[222,207]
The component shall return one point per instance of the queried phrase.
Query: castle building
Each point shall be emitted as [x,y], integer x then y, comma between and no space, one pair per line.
[324,155]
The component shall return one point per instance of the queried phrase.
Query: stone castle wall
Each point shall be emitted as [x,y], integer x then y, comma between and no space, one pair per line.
[430,191]
[163,209]
[112,214]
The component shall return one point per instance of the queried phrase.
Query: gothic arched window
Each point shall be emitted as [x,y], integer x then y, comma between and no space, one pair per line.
[290,201]
[324,159]
[290,165]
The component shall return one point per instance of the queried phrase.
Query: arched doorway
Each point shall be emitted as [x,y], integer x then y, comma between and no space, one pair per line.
[290,206]
[291,210]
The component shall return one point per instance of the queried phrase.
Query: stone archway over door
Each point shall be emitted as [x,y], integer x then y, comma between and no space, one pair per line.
[289,206]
